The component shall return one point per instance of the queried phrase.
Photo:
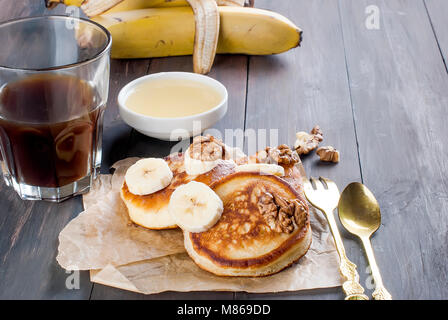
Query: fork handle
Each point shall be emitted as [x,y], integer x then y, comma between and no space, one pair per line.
[353,290]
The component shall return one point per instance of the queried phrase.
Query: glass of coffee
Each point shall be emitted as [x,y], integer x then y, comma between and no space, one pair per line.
[54,81]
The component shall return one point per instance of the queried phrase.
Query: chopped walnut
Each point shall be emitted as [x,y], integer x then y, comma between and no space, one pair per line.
[328,154]
[317,131]
[307,142]
[282,215]
[282,155]
[207,148]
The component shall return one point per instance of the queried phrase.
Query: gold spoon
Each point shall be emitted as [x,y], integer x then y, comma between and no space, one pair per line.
[360,214]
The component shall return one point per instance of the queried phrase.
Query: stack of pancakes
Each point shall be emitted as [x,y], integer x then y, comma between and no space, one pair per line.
[264,227]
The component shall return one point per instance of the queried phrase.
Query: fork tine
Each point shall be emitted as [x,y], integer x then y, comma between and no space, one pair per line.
[331,185]
[316,184]
[324,182]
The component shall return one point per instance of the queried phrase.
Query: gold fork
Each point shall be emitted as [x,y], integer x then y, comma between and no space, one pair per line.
[324,195]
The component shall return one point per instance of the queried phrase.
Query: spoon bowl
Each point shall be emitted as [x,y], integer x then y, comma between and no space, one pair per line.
[359,211]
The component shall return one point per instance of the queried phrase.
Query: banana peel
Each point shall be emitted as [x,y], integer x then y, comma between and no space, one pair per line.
[206,34]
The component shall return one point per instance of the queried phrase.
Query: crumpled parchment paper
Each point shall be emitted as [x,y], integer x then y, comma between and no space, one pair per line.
[118,253]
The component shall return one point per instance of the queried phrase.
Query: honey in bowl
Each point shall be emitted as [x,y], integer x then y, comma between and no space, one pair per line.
[172,98]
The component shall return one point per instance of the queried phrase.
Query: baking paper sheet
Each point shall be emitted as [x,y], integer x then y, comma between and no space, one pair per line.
[120,254]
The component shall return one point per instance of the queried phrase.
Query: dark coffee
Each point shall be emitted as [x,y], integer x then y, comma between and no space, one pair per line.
[48,129]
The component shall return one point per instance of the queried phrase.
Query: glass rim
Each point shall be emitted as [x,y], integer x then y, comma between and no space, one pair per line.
[95,57]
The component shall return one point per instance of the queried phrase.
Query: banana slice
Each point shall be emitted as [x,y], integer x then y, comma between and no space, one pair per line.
[206,152]
[273,169]
[196,167]
[206,34]
[195,207]
[147,176]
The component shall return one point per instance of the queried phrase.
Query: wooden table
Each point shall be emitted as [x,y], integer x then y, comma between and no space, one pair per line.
[380,96]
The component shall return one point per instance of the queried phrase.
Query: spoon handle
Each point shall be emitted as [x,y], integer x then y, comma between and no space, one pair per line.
[380,292]
[351,286]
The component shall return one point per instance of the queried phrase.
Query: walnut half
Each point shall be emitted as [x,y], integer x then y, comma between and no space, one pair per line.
[328,154]
[307,142]
[281,155]
[207,148]
[282,215]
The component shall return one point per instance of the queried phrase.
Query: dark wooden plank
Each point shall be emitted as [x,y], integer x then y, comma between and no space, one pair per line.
[399,91]
[29,230]
[116,134]
[21,8]
[232,72]
[28,250]
[301,88]
[101,292]
[438,13]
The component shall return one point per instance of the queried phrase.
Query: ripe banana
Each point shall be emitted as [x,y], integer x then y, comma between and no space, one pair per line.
[147,176]
[195,207]
[95,7]
[127,5]
[265,168]
[161,32]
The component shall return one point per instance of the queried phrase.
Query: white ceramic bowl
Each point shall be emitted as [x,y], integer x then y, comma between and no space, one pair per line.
[173,129]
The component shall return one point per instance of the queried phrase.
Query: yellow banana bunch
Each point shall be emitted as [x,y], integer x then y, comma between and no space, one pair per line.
[160,28]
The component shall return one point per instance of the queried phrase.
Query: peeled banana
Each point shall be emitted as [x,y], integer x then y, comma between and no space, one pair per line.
[161,32]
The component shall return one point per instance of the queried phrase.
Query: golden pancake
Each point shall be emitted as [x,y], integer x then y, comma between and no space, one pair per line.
[151,211]
[264,227]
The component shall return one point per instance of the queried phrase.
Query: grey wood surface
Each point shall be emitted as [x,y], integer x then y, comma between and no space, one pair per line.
[399,90]
[381,97]
[438,11]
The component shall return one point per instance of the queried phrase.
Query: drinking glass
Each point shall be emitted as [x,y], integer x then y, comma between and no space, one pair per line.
[54,82]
